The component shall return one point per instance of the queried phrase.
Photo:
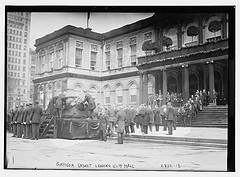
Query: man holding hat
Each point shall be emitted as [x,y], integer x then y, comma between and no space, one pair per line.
[35,120]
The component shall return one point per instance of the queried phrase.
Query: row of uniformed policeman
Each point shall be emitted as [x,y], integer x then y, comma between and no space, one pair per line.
[25,121]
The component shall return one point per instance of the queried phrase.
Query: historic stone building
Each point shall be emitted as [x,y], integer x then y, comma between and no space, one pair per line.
[169,52]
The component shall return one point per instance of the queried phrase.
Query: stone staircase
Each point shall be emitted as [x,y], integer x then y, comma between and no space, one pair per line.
[212,116]
[46,127]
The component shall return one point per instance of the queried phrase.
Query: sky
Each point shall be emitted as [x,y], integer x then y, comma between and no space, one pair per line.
[45,23]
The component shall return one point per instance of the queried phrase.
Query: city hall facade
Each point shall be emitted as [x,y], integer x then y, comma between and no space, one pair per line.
[175,53]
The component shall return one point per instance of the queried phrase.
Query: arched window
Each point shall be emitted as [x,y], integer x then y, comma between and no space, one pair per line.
[133,93]
[51,57]
[106,96]
[93,92]
[172,34]
[78,91]
[213,29]
[58,89]
[191,34]
[119,94]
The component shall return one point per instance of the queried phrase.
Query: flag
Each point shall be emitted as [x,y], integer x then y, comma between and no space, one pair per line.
[88,16]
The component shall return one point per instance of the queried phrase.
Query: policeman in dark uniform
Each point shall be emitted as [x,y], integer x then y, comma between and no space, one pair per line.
[35,120]
[171,114]
[19,121]
[14,121]
[28,124]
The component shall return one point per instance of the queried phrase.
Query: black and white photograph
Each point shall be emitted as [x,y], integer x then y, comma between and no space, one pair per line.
[111,88]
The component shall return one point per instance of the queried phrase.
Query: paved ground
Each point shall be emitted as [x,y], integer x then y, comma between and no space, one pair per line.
[190,132]
[93,154]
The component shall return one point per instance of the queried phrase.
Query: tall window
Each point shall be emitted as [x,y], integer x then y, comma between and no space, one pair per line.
[78,55]
[119,94]
[133,46]
[93,92]
[51,60]
[150,88]
[60,56]
[107,96]
[148,38]
[120,54]
[93,60]
[119,57]
[133,93]
[78,58]
[107,56]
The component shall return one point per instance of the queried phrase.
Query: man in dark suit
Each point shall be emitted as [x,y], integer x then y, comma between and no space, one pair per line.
[120,125]
[103,123]
[35,120]
[91,104]
[171,114]
[19,121]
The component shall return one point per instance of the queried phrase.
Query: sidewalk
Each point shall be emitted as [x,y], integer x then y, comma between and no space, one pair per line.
[195,136]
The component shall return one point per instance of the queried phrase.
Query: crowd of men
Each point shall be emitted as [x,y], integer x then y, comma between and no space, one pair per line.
[24,122]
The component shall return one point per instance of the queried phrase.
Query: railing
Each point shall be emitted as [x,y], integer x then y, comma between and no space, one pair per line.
[47,127]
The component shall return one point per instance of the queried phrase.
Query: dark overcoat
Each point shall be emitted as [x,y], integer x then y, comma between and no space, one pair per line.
[36,114]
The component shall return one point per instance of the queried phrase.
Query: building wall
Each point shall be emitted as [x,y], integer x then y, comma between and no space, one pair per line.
[18,34]
[104,81]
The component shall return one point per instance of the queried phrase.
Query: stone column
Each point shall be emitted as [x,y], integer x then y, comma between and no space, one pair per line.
[164,91]
[35,95]
[211,79]
[224,26]
[157,84]
[140,88]
[179,36]
[145,88]
[160,40]
[186,84]
[200,26]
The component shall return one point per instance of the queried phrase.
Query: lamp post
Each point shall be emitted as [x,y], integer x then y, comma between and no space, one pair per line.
[18,98]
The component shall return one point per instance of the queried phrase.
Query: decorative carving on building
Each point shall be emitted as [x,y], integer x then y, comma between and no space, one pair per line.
[133,40]
[119,44]
[94,47]
[148,36]
[79,44]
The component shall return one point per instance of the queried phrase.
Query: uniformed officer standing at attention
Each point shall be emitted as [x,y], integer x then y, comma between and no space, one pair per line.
[120,125]
[24,121]
[14,121]
[19,121]
[170,117]
[28,124]
[37,113]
